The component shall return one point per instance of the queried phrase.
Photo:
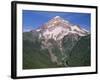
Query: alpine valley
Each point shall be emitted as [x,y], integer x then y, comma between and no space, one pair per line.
[57,43]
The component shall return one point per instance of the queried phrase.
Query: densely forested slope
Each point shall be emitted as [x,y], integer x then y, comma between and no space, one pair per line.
[80,54]
[33,56]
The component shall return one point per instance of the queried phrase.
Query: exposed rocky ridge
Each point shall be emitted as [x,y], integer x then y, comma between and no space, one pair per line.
[54,32]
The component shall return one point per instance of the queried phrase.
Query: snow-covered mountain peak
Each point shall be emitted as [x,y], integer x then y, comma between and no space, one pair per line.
[56,22]
[57,28]
[57,17]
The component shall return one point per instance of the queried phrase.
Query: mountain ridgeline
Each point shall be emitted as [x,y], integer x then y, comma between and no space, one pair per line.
[57,43]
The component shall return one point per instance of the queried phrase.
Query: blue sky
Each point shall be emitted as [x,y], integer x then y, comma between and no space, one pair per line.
[34,19]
